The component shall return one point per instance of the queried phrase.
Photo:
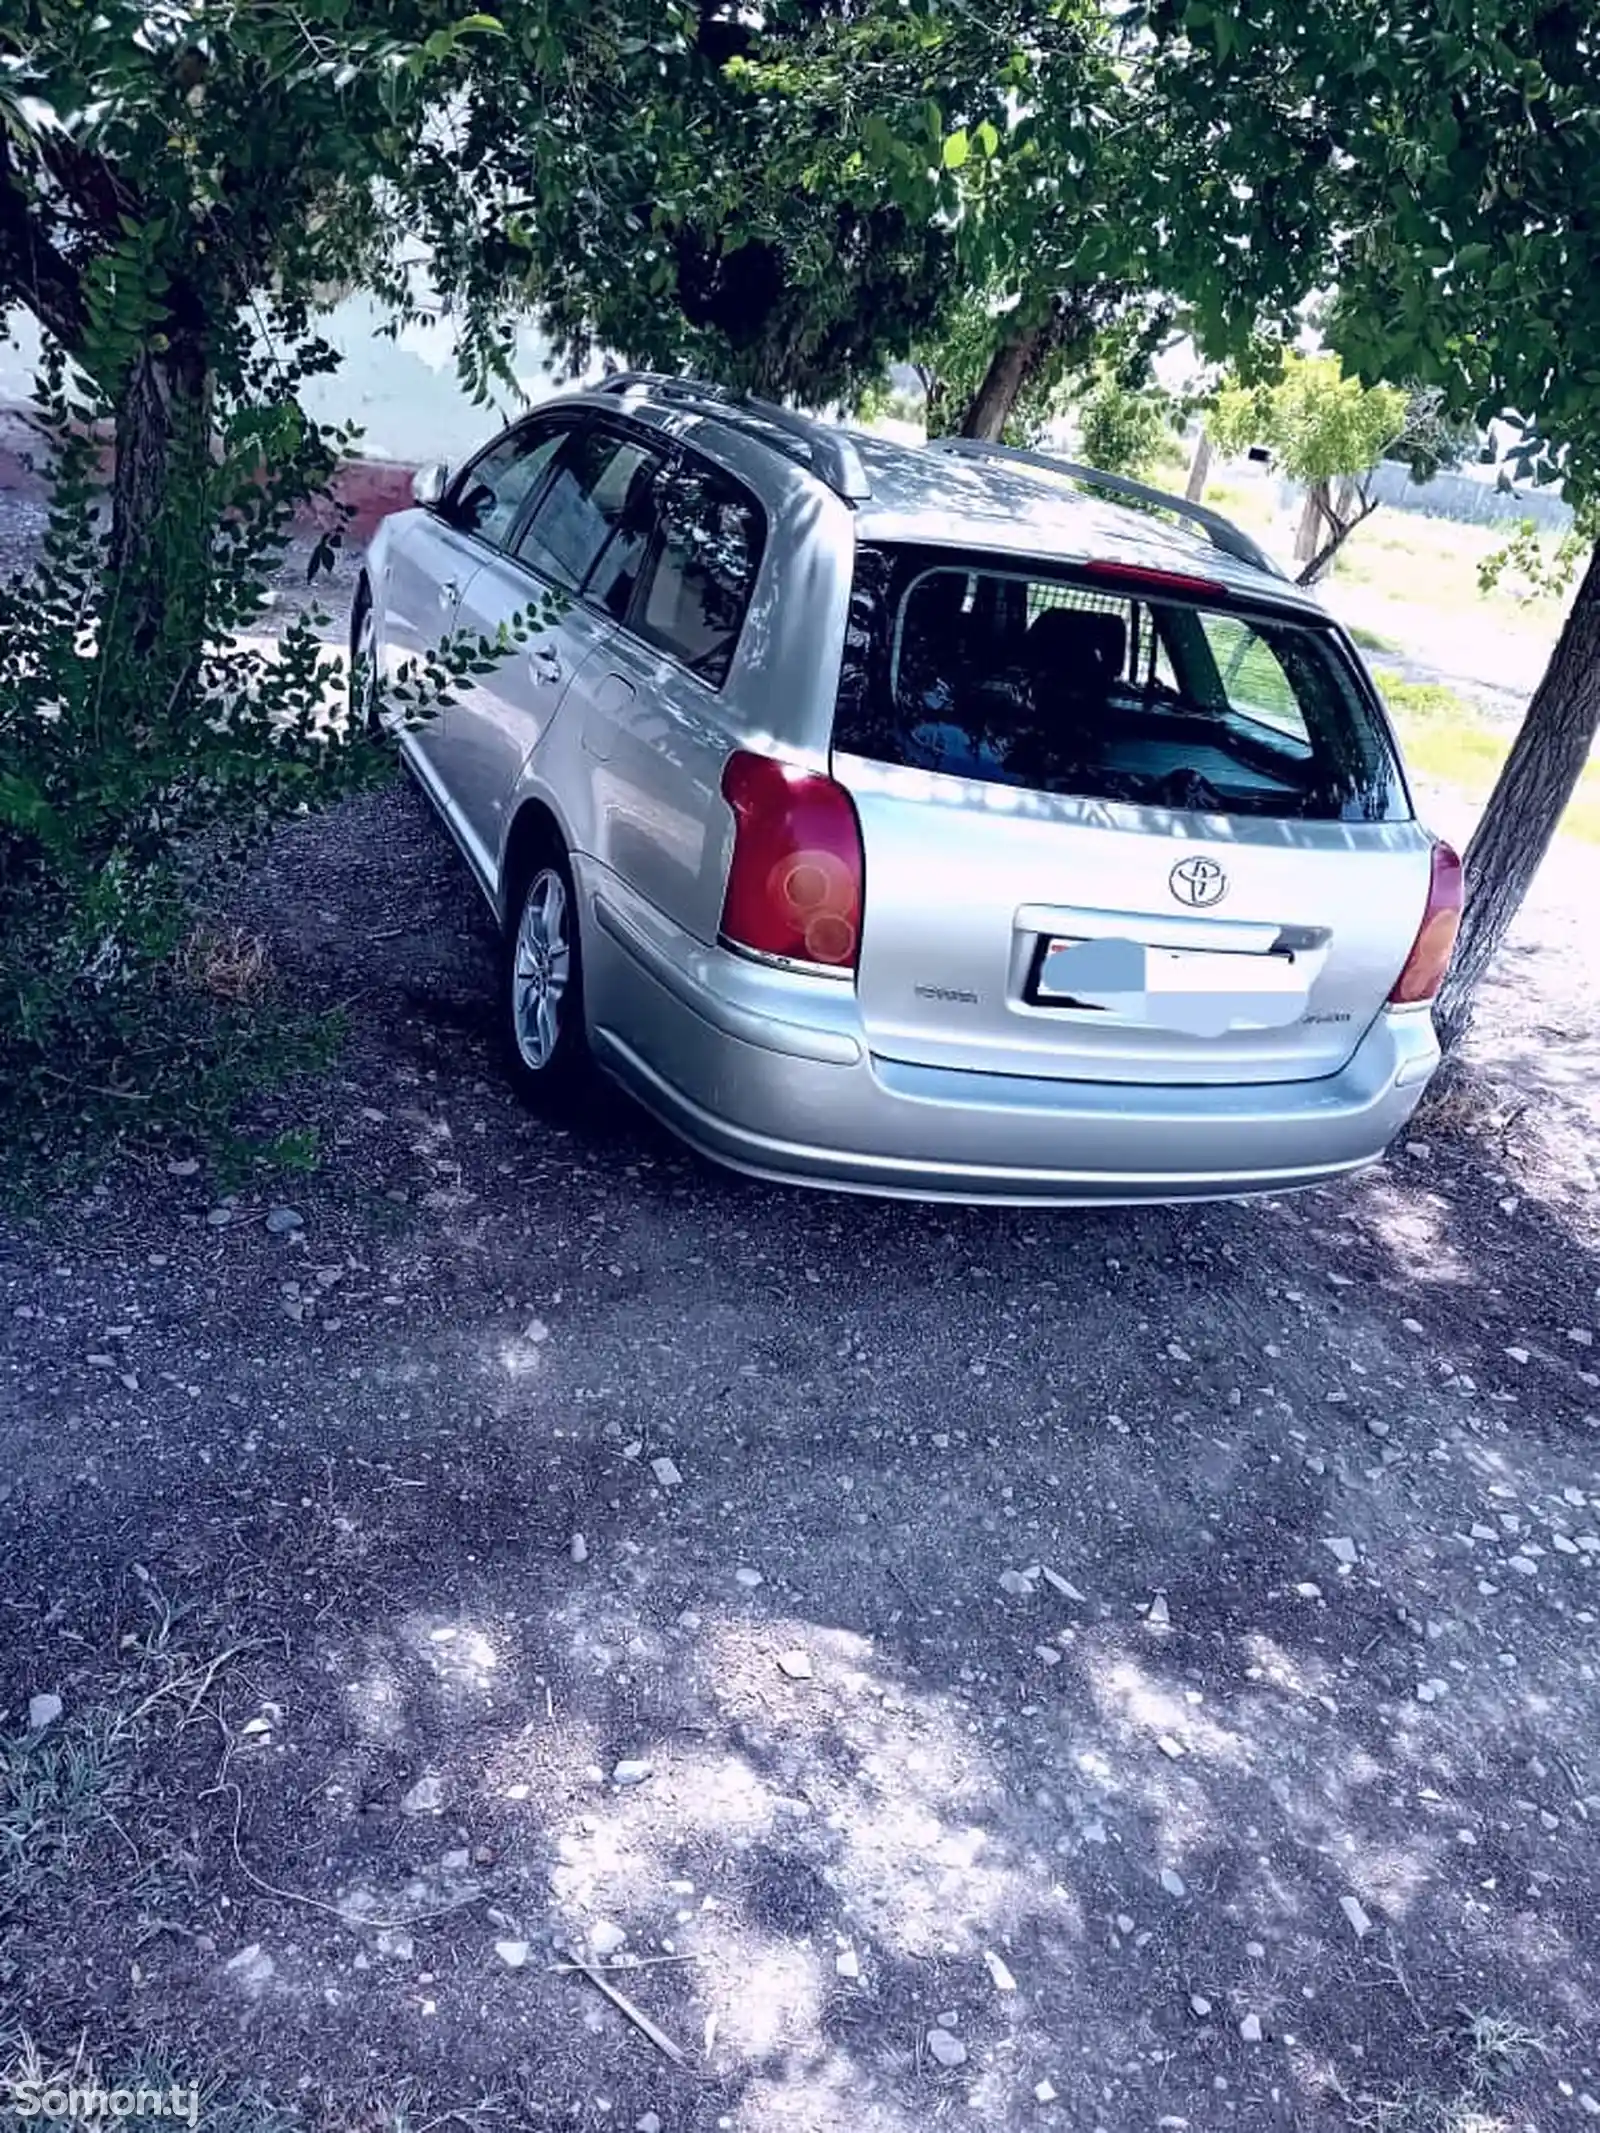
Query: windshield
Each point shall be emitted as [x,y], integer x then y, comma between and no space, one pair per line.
[1032,675]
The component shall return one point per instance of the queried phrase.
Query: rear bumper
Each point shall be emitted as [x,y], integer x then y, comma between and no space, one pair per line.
[771,1075]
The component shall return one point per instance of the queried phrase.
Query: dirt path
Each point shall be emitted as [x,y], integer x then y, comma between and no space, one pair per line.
[1098,1670]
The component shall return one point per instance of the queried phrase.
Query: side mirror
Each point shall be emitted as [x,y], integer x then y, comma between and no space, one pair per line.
[429,483]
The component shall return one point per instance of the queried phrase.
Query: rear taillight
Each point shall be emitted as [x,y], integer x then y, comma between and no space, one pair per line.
[794,883]
[1436,936]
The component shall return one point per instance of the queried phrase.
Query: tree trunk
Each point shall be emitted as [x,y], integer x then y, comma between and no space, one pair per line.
[1353,510]
[1309,532]
[1010,367]
[1546,761]
[1199,469]
[160,523]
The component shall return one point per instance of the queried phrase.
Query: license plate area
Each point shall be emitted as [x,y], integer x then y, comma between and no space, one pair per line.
[1197,992]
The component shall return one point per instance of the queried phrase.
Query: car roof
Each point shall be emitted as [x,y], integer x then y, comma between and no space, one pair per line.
[958,497]
[921,494]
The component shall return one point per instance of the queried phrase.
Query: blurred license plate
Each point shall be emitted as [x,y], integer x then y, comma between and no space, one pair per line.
[1194,990]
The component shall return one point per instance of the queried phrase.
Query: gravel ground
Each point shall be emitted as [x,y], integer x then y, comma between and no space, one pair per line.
[1126,1669]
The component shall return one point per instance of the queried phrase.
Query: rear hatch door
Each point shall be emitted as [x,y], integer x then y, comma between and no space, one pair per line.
[1118,825]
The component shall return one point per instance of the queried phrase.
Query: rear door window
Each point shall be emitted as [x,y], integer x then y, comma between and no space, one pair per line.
[698,586]
[599,489]
[1048,680]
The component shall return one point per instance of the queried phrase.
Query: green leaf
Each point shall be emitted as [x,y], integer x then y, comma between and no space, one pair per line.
[957,148]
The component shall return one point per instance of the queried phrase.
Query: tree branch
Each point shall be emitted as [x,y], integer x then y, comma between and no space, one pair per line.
[1341,533]
[32,272]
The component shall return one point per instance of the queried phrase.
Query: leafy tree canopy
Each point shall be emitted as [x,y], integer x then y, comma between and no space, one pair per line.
[1434,163]
[1322,425]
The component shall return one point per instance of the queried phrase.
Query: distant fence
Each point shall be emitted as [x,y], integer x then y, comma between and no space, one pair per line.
[1458,496]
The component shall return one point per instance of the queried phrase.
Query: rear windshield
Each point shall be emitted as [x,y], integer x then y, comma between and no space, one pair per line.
[1030,676]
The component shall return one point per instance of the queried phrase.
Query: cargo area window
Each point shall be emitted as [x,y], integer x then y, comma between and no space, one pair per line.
[1032,676]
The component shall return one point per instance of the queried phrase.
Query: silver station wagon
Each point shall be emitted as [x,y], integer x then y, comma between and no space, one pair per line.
[947,820]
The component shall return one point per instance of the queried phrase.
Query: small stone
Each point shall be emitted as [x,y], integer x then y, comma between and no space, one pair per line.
[513,1953]
[1360,1923]
[1308,1590]
[1173,1882]
[43,1711]
[1064,1586]
[399,1945]
[1199,2005]
[1250,2029]
[1519,1355]
[751,1580]
[848,1964]
[284,1221]
[1342,1549]
[536,1332]
[1157,1614]
[1124,1923]
[649,2123]
[796,1664]
[1419,1151]
[666,1472]
[1523,1565]
[948,2050]
[251,1968]
[1018,1584]
[578,1548]
[999,1976]
[1376,1428]
[182,1166]
[605,1937]
[426,1796]
[219,1217]
[1048,1654]
[1172,1749]
[1094,1832]
[1044,2092]
[633,1772]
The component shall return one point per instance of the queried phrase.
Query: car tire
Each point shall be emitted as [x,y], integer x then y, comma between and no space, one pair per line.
[365,704]
[541,987]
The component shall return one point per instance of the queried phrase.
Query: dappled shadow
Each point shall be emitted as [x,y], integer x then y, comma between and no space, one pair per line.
[1094,1605]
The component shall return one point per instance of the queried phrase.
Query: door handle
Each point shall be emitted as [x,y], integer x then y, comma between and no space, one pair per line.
[547,666]
[449,592]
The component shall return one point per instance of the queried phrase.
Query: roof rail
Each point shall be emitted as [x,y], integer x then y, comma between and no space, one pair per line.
[1221,532]
[829,454]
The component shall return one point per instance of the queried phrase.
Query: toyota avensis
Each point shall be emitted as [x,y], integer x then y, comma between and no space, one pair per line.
[943,820]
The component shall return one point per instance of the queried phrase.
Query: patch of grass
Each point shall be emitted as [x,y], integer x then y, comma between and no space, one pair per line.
[28,2072]
[1374,640]
[61,1789]
[1446,739]
[58,1792]
[1488,2050]
[1434,563]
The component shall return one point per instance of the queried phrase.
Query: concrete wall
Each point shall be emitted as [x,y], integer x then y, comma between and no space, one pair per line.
[1473,500]
[401,391]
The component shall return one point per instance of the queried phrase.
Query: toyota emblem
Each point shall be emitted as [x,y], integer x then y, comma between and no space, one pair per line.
[1198,883]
